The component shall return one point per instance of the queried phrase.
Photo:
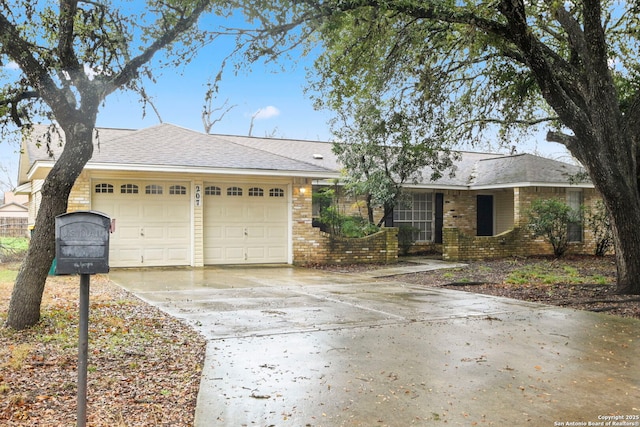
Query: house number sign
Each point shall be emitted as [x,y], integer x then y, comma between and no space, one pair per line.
[198,195]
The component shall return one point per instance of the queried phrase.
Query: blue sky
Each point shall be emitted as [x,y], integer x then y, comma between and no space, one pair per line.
[286,112]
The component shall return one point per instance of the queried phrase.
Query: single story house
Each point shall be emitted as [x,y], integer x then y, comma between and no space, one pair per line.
[185,198]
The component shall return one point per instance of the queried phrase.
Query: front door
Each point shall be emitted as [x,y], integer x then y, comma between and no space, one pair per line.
[485,215]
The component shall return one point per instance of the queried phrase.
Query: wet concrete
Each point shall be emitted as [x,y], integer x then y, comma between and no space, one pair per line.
[297,347]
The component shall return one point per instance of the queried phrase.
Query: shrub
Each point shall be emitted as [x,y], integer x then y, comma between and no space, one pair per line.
[550,219]
[406,238]
[598,220]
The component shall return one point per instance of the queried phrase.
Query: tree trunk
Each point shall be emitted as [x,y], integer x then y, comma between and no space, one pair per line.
[26,297]
[613,172]
[625,221]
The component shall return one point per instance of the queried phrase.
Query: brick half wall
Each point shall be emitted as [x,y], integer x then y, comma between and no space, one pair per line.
[322,248]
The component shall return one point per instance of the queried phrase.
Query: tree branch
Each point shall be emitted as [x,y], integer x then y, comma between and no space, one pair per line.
[130,70]
[22,52]
[568,141]
[68,10]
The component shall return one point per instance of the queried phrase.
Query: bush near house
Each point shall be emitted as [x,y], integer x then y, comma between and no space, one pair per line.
[406,238]
[550,218]
[336,223]
[598,220]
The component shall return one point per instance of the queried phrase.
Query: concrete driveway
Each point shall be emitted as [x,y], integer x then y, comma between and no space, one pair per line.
[296,347]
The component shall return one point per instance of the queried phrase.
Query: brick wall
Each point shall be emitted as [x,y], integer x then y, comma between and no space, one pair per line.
[460,242]
[381,247]
[312,246]
[516,242]
[80,196]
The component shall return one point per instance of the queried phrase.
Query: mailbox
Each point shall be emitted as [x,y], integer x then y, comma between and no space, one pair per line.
[82,243]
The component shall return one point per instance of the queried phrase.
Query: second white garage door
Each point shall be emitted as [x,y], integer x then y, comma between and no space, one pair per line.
[245,224]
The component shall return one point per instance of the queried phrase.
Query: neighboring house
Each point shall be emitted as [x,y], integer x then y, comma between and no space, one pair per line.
[13,215]
[181,197]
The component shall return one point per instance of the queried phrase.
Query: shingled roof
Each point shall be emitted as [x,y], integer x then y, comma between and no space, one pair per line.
[524,169]
[172,148]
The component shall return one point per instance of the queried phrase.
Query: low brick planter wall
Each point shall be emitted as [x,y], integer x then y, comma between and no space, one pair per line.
[381,247]
[459,246]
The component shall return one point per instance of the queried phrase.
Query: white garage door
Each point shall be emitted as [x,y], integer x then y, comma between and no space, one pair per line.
[245,224]
[153,222]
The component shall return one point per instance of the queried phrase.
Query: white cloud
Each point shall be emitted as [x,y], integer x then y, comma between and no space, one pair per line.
[266,113]
[12,66]
[90,72]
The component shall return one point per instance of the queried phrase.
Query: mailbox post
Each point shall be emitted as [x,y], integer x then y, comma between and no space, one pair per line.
[82,247]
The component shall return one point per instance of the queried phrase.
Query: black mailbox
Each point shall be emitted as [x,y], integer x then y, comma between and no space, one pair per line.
[82,243]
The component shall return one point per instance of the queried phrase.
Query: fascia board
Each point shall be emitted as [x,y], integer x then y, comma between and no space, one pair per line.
[435,187]
[24,188]
[37,167]
[531,184]
[41,166]
[212,171]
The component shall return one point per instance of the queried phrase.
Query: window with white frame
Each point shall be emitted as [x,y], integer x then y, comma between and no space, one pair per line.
[104,188]
[234,191]
[212,190]
[153,189]
[276,192]
[256,192]
[177,189]
[128,189]
[574,230]
[417,212]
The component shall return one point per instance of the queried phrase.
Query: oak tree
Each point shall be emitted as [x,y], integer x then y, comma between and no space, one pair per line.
[465,70]
[69,57]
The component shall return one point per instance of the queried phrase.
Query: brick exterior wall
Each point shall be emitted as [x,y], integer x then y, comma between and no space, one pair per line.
[461,243]
[312,246]
[80,196]
[381,247]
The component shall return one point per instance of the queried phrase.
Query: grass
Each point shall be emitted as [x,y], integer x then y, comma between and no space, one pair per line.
[533,271]
[14,243]
[17,354]
[12,249]
[551,274]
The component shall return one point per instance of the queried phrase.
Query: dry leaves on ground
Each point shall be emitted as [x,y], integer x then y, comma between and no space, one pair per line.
[144,367]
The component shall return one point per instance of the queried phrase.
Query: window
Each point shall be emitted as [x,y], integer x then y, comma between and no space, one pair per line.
[153,189]
[276,192]
[256,192]
[417,212]
[212,190]
[104,188]
[234,191]
[177,189]
[128,189]
[574,229]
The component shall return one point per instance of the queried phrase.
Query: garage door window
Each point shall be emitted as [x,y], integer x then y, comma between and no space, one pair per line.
[234,191]
[256,192]
[153,189]
[128,189]
[177,189]
[276,192]
[104,188]
[212,190]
